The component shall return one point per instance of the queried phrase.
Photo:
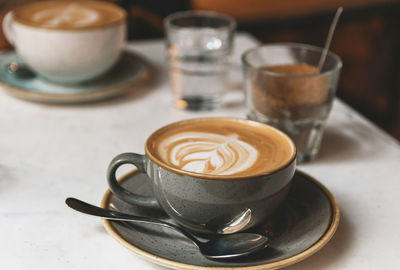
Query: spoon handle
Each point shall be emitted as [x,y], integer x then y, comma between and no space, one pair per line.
[93,210]
[329,38]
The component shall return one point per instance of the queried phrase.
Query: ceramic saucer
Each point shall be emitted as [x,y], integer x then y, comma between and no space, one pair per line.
[26,85]
[305,223]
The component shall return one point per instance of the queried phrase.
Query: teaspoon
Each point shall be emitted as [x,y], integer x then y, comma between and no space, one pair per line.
[219,247]
[21,71]
[329,38]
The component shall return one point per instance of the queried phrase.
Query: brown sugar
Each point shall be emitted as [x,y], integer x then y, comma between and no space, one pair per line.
[293,69]
[293,97]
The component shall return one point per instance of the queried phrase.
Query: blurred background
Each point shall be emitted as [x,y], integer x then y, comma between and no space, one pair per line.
[367,39]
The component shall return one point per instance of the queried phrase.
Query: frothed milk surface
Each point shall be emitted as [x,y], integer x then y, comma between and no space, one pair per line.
[69,14]
[221,147]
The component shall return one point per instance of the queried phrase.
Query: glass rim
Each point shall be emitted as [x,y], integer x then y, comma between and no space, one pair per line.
[231,22]
[337,67]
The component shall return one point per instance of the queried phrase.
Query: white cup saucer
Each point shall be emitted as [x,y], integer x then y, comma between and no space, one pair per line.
[26,85]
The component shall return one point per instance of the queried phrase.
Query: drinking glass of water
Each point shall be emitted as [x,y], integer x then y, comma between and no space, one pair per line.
[199,46]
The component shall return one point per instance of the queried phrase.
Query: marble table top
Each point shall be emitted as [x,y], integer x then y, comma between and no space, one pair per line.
[50,152]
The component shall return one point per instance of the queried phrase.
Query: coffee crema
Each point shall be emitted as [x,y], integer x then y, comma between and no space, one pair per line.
[72,15]
[218,146]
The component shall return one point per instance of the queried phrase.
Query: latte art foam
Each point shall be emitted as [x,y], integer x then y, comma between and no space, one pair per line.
[208,153]
[72,15]
[220,147]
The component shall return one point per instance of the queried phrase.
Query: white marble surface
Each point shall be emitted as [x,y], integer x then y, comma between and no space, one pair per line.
[48,153]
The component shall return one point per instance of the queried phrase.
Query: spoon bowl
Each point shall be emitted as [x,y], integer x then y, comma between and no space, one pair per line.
[219,247]
[233,245]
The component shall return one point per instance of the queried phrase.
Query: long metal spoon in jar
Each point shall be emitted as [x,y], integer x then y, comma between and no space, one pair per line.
[329,38]
[219,247]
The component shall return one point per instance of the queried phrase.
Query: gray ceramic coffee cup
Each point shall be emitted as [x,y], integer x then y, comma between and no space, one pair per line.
[202,203]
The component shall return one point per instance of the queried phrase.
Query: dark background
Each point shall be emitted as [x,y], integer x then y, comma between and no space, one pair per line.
[367,39]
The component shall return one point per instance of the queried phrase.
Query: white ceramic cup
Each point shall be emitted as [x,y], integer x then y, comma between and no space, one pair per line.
[66,55]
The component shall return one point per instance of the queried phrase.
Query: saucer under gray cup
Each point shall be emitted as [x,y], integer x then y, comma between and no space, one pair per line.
[298,104]
[199,46]
[304,223]
[203,203]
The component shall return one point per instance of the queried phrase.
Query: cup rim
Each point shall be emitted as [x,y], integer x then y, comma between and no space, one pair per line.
[337,67]
[203,176]
[200,13]
[121,18]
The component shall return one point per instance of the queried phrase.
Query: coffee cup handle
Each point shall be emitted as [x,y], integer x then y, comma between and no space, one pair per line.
[7,28]
[122,193]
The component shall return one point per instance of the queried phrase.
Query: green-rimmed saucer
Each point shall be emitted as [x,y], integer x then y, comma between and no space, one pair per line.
[26,85]
[304,224]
